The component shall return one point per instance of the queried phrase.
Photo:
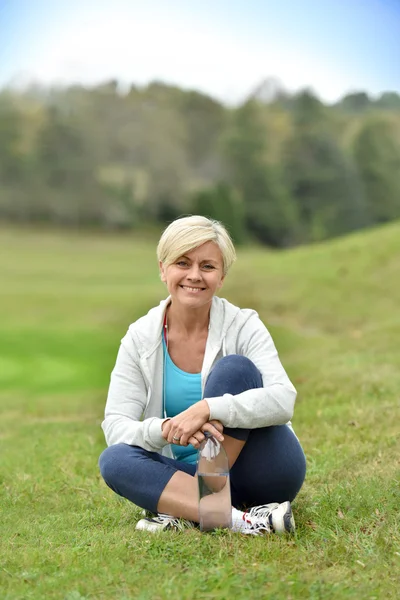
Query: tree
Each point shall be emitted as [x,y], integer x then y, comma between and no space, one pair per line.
[205,121]
[220,202]
[269,212]
[324,184]
[377,155]
[389,101]
[12,160]
[322,179]
[356,102]
[66,166]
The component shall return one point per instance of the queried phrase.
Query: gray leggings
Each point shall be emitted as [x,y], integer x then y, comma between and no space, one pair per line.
[270,468]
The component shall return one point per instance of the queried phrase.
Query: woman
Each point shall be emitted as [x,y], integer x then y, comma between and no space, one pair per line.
[197,364]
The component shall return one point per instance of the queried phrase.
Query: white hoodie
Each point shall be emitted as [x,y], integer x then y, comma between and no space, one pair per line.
[134,408]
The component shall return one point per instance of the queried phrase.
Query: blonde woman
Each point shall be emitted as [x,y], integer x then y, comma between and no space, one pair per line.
[194,364]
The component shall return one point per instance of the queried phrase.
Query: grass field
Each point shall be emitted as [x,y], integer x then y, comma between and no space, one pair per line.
[334,312]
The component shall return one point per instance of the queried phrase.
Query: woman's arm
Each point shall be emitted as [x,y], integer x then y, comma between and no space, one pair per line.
[273,404]
[125,405]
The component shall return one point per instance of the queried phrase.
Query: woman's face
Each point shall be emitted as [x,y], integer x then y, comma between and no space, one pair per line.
[193,279]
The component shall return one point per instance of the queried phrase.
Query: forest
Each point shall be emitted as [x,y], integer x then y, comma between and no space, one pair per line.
[280,169]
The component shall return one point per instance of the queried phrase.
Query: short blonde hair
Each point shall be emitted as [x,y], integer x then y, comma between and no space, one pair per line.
[187,233]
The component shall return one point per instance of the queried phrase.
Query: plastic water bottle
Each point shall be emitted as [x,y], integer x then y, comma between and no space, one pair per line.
[215,507]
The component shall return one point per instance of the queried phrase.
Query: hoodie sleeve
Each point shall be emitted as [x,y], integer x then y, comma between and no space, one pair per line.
[126,403]
[273,404]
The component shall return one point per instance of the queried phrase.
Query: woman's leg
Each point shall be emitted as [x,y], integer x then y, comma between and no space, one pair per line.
[270,468]
[142,476]
[267,464]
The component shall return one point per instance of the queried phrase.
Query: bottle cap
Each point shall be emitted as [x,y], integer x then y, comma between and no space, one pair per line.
[211,447]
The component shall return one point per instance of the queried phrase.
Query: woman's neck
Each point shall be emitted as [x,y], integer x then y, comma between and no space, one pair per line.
[188,321]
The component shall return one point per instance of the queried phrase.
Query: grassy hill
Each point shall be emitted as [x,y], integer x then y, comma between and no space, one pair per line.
[333,310]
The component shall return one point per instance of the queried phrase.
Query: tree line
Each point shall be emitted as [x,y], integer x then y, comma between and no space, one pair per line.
[280,168]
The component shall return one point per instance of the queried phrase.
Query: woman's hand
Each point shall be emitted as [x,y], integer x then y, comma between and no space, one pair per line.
[214,427]
[181,429]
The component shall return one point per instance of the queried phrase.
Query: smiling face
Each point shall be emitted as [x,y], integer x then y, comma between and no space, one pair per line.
[193,279]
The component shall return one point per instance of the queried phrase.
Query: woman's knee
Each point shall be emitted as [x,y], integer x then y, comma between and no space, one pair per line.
[111,461]
[233,374]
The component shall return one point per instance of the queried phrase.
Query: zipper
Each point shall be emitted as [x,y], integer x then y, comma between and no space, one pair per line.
[147,379]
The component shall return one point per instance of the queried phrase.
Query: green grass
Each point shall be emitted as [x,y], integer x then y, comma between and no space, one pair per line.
[333,310]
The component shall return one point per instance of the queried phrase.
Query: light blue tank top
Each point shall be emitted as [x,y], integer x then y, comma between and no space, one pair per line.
[181,390]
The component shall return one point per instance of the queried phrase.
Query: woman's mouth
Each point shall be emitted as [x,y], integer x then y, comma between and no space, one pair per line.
[194,290]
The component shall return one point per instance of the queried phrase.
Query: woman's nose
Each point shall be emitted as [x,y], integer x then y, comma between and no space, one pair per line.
[194,273]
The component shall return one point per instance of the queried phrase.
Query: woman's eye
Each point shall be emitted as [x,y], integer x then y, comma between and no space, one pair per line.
[208,267]
[181,263]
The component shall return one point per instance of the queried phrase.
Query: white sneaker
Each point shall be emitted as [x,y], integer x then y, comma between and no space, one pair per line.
[163,523]
[269,518]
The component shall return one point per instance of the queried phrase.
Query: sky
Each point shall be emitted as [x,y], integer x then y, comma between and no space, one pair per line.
[221,47]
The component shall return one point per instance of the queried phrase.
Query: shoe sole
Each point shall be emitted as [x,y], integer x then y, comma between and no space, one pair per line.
[146,525]
[288,520]
[284,523]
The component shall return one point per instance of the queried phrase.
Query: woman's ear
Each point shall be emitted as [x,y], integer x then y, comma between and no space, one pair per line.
[162,272]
